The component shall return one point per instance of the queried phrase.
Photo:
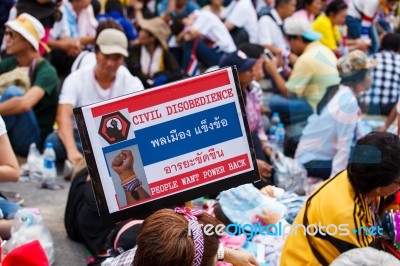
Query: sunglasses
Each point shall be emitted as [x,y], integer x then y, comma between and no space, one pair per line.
[11,34]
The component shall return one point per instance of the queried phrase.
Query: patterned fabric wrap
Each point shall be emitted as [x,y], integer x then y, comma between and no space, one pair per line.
[197,234]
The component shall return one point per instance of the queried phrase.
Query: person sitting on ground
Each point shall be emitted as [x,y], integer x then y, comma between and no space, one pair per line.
[314,71]
[9,172]
[164,240]
[103,81]
[328,22]
[150,60]
[373,172]
[240,18]
[326,141]
[29,116]
[384,93]
[247,71]
[207,34]
[270,30]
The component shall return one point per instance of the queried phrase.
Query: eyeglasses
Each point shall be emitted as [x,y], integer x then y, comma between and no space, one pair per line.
[11,34]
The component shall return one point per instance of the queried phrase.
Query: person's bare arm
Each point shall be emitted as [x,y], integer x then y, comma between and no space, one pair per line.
[9,168]
[138,6]
[239,257]
[67,44]
[22,104]
[271,68]
[123,166]
[66,132]
[229,25]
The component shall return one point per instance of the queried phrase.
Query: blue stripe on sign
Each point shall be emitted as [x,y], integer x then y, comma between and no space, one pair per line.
[153,149]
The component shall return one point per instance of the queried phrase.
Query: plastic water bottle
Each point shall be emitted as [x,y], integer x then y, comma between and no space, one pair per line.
[35,163]
[280,137]
[275,120]
[49,164]
[197,204]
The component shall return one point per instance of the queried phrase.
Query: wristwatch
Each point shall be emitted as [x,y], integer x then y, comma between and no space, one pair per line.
[221,253]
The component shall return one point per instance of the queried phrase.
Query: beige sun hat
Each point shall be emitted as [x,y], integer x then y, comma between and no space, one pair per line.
[158,28]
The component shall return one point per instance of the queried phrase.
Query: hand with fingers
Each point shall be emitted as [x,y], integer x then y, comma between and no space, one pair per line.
[123,165]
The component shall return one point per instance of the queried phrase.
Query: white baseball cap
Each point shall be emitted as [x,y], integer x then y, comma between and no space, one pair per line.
[301,27]
[112,41]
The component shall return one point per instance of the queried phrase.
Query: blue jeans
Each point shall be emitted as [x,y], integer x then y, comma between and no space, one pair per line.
[354,32]
[207,56]
[61,153]
[291,110]
[22,129]
[8,208]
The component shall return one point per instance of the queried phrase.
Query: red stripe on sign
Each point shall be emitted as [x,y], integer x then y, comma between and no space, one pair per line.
[199,176]
[175,91]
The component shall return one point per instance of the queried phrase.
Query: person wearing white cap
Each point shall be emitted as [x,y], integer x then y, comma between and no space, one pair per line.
[29,116]
[107,79]
[314,71]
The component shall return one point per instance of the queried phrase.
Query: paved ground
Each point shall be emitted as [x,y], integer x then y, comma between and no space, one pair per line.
[52,206]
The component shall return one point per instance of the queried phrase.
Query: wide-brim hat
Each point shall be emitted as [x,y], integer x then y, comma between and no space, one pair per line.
[158,28]
[241,204]
[29,28]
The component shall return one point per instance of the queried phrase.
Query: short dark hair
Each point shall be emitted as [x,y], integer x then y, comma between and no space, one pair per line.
[374,162]
[251,50]
[391,42]
[335,7]
[281,2]
[114,5]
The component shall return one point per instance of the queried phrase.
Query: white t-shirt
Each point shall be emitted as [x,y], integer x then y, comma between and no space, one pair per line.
[369,8]
[3,129]
[80,88]
[61,28]
[269,32]
[242,14]
[210,26]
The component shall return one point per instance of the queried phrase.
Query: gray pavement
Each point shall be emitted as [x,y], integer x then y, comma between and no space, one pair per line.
[52,206]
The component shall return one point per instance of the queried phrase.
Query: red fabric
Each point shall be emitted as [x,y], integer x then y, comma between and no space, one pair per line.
[30,254]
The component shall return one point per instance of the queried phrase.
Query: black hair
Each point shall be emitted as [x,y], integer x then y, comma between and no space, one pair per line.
[374,162]
[301,4]
[281,2]
[114,5]
[251,50]
[289,37]
[96,7]
[391,42]
[335,7]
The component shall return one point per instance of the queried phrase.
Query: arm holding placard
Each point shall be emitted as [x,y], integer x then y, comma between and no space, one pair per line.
[123,166]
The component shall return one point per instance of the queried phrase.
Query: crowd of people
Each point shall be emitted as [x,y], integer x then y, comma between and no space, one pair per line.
[322,66]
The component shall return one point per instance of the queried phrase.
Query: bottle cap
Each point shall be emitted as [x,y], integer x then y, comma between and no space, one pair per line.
[280,125]
[49,145]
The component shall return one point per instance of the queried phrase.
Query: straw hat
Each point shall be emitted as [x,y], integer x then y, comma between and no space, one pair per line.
[158,28]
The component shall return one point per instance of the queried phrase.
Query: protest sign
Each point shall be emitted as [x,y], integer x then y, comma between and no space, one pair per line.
[161,147]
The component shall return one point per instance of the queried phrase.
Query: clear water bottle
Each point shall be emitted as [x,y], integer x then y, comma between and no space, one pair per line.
[280,137]
[197,204]
[49,164]
[275,120]
[35,163]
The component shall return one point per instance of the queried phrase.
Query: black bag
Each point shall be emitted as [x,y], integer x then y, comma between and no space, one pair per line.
[239,36]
